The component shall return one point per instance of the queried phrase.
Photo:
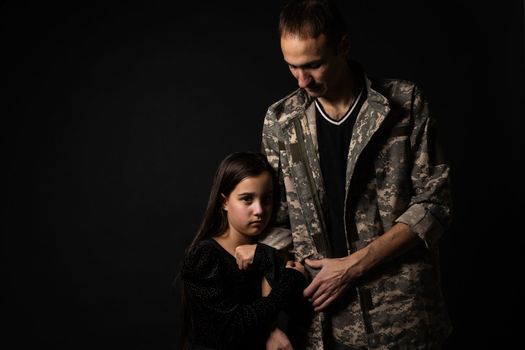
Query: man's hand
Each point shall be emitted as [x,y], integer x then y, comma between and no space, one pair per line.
[334,277]
[277,340]
[244,255]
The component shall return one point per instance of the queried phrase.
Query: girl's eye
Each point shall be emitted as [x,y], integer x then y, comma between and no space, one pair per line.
[246,199]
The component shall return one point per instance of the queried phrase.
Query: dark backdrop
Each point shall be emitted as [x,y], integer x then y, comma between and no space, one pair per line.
[114,118]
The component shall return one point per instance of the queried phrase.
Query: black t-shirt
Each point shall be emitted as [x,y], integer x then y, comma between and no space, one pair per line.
[333,138]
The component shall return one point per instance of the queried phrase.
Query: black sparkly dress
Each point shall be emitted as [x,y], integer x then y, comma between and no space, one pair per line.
[225,303]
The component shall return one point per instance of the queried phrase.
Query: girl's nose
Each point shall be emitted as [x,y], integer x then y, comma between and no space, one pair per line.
[257,208]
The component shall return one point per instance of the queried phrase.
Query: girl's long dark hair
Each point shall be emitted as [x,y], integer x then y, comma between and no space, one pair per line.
[232,170]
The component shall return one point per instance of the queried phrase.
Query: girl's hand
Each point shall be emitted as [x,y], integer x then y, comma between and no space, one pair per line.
[244,255]
[297,266]
[277,340]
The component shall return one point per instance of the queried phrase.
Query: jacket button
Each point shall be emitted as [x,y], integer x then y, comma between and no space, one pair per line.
[373,340]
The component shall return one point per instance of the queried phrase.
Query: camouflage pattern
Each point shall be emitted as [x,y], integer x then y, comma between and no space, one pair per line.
[394,174]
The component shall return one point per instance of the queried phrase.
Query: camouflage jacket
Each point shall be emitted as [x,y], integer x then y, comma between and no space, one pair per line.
[394,174]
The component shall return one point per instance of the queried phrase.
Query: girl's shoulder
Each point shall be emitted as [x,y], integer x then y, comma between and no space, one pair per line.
[203,259]
[207,245]
[205,248]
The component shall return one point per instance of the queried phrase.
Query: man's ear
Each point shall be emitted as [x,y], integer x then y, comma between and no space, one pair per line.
[344,45]
[224,202]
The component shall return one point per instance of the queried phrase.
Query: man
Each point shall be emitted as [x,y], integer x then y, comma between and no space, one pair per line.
[366,193]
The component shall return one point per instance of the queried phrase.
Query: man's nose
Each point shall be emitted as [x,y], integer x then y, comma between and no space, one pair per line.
[303,78]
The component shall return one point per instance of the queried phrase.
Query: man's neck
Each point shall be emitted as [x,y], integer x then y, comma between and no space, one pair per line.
[344,95]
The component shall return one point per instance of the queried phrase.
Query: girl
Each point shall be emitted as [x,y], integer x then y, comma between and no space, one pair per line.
[223,270]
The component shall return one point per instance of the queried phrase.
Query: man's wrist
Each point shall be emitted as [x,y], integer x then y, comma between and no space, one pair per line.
[361,261]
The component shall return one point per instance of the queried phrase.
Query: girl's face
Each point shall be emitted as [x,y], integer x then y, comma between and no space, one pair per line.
[249,206]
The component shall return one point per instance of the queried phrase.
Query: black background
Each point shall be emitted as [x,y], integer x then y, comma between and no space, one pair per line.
[114,118]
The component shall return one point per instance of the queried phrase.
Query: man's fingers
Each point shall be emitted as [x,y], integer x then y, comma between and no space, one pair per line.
[312,287]
[315,264]
[319,298]
[325,304]
[323,293]
[321,290]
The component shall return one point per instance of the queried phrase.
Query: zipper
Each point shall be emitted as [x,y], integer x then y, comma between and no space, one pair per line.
[322,239]
[363,295]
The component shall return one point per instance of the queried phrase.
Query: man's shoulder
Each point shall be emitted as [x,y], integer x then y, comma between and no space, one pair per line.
[391,87]
[398,92]
[297,101]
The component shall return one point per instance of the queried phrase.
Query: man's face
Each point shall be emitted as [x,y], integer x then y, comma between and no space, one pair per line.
[313,62]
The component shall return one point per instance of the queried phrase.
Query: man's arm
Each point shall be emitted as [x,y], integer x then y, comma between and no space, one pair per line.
[336,275]
[279,236]
[430,209]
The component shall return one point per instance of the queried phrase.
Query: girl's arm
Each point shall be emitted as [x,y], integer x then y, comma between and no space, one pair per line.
[223,317]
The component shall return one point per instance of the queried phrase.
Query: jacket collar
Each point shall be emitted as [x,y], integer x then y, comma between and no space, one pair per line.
[372,114]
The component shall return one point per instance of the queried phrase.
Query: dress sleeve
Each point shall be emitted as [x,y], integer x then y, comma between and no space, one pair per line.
[267,261]
[296,315]
[203,273]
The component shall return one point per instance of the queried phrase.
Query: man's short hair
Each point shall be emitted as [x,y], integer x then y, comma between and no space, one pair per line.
[311,18]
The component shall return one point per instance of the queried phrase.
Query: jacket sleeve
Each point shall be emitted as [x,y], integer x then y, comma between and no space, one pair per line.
[279,236]
[429,211]
[204,284]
